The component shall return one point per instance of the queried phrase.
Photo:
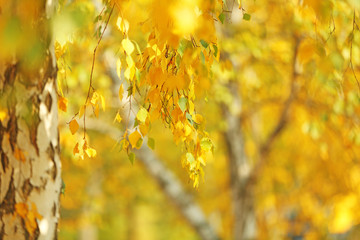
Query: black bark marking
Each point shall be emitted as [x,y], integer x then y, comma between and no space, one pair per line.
[48,102]
[51,152]
[4,162]
[56,231]
[8,204]
[33,121]
[53,210]
[27,188]
[2,130]
[10,74]
[33,134]
[12,128]
[2,231]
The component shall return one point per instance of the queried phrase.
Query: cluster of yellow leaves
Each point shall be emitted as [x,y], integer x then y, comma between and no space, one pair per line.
[176,60]
[29,216]
[83,148]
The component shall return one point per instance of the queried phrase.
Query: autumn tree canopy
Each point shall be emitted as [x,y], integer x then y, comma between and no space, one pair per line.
[256,100]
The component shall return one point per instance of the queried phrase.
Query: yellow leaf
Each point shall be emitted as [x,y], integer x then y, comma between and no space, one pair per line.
[144,129]
[74,126]
[94,98]
[134,138]
[90,152]
[127,45]
[142,115]
[121,91]
[62,104]
[96,112]
[117,118]
[122,24]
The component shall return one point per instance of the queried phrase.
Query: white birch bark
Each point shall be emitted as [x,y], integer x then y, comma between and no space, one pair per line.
[30,164]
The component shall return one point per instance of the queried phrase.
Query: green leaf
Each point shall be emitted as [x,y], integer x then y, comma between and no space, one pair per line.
[130,90]
[139,143]
[182,103]
[204,43]
[151,143]
[178,61]
[182,46]
[202,58]
[142,115]
[131,157]
[62,191]
[138,75]
[246,17]
[206,144]
[189,118]
[221,17]
[216,50]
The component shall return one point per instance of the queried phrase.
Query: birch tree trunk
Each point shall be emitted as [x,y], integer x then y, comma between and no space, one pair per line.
[30,167]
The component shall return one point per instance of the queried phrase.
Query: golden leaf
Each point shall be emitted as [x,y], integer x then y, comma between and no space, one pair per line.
[122,24]
[74,126]
[91,152]
[62,104]
[134,138]
[76,149]
[127,45]
[94,98]
[117,118]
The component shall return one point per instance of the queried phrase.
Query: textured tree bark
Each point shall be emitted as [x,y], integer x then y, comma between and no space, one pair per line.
[240,170]
[30,165]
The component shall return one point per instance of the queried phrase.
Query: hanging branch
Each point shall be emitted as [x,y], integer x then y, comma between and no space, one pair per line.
[355,26]
[92,66]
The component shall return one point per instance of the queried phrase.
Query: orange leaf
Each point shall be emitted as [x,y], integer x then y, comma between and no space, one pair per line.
[62,104]
[76,149]
[74,126]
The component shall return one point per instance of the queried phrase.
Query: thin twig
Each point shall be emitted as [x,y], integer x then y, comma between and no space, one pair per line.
[351,44]
[92,67]
[281,124]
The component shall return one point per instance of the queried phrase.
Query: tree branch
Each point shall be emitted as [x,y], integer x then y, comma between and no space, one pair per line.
[168,182]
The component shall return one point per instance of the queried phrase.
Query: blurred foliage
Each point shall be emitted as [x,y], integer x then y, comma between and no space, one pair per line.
[306,51]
